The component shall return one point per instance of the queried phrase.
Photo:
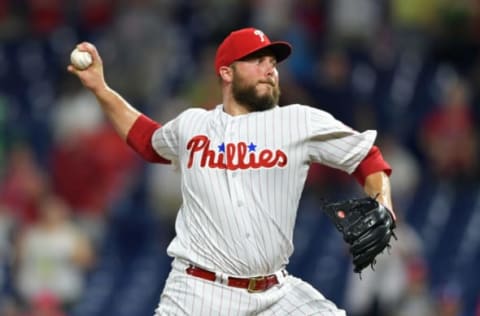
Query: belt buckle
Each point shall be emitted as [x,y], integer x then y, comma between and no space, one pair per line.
[252,282]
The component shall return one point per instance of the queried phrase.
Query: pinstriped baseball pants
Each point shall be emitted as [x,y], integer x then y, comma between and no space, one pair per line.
[188,295]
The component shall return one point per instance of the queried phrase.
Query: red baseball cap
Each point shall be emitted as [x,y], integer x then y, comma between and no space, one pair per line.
[243,42]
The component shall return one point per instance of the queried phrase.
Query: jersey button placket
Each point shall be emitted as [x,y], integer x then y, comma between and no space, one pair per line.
[235,178]
[235,174]
[231,174]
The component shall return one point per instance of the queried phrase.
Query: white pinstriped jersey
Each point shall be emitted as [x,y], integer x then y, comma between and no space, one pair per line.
[242,178]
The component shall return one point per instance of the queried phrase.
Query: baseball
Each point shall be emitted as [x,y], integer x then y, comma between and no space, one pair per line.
[80,59]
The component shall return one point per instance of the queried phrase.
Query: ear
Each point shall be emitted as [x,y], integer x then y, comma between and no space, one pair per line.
[226,73]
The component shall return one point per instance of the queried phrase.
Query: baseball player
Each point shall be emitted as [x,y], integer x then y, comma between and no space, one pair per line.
[243,166]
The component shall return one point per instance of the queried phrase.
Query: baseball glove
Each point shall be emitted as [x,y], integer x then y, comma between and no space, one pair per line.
[366,225]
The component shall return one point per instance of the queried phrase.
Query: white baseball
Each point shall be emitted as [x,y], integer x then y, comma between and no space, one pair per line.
[80,59]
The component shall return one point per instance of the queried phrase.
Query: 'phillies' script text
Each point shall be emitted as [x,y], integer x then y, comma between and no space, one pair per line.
[233,156]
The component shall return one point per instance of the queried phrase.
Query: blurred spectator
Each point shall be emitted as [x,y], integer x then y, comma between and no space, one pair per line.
[204,91]
[272,16]
[160,49]
[95,15]
[23,184]
[379,291]
[307,32]
[45,304]
[45,16]
[448,135]
[355,22]
[312,16]
[91,166]
[416,299]
[52,256]
[331,84]
[449,300]
[413,23]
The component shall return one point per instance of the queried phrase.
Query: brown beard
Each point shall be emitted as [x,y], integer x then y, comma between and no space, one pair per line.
[247,95]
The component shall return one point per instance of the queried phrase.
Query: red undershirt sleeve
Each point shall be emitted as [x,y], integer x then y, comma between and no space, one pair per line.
[140,139]
[373,162]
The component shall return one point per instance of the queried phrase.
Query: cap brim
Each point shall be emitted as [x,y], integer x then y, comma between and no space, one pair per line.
[280,49]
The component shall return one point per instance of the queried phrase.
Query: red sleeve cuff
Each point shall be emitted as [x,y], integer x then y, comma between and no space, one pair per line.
[140,139]
[373,162]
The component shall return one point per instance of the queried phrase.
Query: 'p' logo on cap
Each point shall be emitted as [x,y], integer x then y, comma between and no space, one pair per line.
[261,34]
[243,42]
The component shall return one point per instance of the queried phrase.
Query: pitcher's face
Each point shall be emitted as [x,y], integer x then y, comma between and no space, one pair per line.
[255,81]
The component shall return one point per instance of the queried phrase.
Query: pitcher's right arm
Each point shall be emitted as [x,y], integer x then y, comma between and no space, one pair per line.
[131,125]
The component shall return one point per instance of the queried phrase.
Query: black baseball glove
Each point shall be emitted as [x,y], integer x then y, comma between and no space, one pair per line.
[366,225]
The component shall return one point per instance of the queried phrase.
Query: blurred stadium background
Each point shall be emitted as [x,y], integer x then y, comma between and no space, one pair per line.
[408,68]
